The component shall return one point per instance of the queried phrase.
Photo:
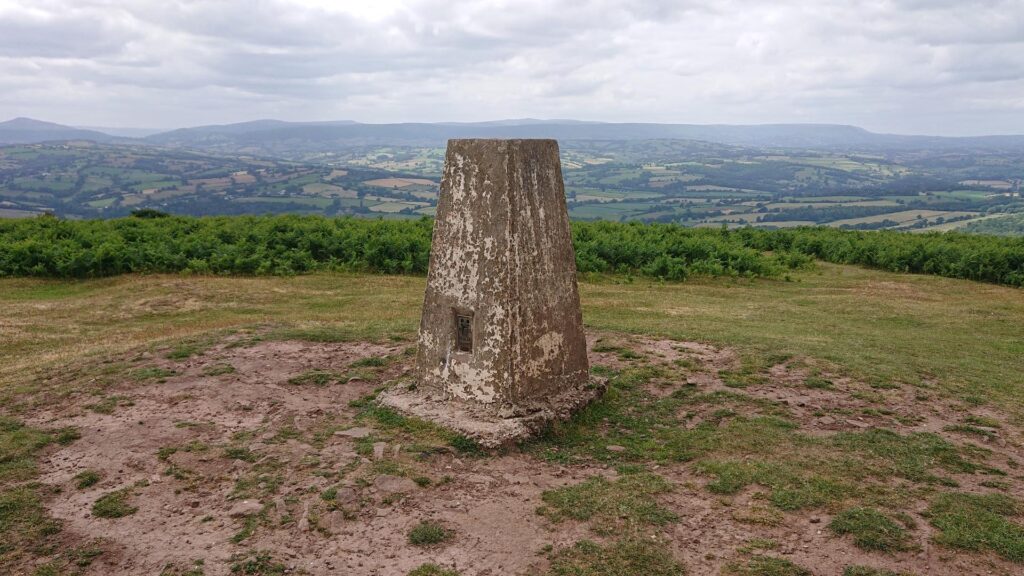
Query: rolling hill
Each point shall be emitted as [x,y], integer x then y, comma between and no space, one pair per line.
[29,131]
[270,136]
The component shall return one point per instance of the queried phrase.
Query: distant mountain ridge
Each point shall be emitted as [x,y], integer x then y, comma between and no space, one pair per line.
[326,134]
[28,131]
[274,136]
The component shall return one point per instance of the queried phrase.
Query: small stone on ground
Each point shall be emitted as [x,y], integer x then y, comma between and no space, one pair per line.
[359,432]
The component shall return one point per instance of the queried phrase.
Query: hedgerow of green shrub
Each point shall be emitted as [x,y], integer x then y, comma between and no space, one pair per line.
[998,260]
[281,245]
[289,244]
[49,247]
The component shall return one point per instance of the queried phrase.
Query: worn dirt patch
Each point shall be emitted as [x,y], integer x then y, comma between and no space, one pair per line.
[225,453]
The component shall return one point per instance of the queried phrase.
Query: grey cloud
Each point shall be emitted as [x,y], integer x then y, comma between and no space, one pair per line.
[893,65]
[70,34]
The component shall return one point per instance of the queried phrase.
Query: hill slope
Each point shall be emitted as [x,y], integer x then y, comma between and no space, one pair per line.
[270,135]
[29,131]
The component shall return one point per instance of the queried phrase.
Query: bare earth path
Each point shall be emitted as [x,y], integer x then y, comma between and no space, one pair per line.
[250,444]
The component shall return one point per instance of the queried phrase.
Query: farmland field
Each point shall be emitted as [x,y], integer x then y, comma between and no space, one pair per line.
[690,183]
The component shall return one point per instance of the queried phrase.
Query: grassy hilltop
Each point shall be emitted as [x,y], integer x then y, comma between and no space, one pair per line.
[785,418]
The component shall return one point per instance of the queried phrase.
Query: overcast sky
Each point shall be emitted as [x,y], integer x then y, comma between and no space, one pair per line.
[908,66]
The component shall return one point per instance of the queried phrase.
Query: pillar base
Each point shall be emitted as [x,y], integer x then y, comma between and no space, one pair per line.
[487,425]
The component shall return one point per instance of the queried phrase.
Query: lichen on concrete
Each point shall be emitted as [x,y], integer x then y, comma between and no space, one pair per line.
[502,259]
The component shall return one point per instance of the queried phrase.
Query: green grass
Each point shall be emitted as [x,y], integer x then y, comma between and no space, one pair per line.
[429,533]
[187,349]
[640,557]
[371,362]
[324,334]
[416,434]
[764,448]
[114,505]
[18,447]
[249,525]
[465,445]
[432,570]
[868,571]
[26,531]
[790,486]
[871,530]
[263,480]
[218,370]
[240,453]
[317,378]
[67,435]
[979,522]
[982,421]
[621,351]
[884,328]
[751,373]
[152,373]
[915,456]
[758,544]
[812,472]
[764,566]
[880,326]
[257,564]
[71,561]
[86,479]
[107,405]
[25,527]
[818,383]
[610,506]
[973,430]
[194,569]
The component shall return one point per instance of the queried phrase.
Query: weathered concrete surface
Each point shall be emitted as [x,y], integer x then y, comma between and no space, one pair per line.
[482,424]
[502,264]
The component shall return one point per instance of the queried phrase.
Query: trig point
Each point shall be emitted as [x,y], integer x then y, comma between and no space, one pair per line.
[501,343]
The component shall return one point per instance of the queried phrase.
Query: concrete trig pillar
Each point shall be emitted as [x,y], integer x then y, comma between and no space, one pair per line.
[501,342]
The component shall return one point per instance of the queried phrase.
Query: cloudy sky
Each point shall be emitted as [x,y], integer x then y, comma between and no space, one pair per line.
[909,66]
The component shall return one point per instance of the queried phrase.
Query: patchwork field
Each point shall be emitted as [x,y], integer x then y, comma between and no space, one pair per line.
[399,182]
[213,425]
[83,180]
[686,182]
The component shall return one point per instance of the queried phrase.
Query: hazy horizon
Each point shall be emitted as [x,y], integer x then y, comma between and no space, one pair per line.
[148,130]
[142,131]
[899,67]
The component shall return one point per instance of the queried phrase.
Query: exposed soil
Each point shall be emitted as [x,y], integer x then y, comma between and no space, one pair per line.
[190,504]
